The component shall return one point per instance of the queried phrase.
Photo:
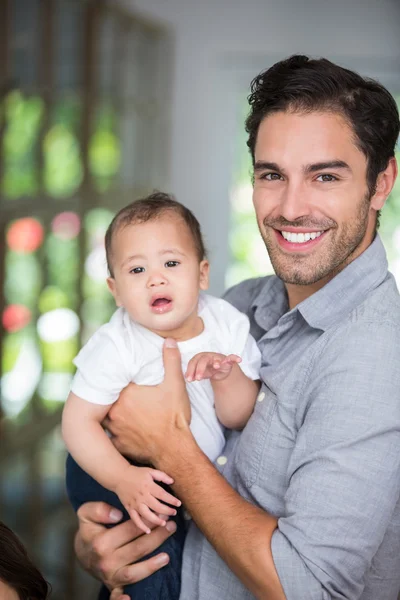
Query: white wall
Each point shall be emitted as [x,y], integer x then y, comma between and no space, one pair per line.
[219,46]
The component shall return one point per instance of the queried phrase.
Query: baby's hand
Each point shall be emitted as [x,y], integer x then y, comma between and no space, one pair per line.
[210,365]
[141,496]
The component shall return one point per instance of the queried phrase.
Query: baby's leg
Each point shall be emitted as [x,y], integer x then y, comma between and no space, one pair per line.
[166,583]
[82,488]
[162,585]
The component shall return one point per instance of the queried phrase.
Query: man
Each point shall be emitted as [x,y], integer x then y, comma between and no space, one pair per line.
[308,505]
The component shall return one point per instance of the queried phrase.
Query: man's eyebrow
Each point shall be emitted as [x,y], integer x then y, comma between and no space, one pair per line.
[262,165]
[330,164]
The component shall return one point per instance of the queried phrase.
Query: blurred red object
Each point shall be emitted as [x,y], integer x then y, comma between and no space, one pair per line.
[25,235]
[15,317]
[66,225]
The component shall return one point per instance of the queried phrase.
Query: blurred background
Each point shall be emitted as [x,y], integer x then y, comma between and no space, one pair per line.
[101,102]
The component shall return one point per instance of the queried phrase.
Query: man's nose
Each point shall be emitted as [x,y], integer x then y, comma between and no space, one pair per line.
[294,203]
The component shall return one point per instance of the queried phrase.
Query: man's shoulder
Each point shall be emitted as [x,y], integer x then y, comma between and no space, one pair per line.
[245,293]
[373,324]
[380,308]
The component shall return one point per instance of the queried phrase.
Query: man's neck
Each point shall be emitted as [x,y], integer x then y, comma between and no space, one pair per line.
[298,293]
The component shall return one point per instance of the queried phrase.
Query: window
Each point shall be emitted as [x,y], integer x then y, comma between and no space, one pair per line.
[79,112]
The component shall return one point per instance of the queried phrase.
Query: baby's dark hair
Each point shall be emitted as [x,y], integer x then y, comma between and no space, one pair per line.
[153,207]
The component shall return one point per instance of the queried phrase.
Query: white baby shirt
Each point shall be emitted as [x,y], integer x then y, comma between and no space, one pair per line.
[123,351]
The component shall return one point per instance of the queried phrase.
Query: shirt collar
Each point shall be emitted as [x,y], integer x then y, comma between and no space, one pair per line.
[333,301]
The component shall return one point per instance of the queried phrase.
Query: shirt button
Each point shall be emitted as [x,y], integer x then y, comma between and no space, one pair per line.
[186,515]
[261,397]
[222,460]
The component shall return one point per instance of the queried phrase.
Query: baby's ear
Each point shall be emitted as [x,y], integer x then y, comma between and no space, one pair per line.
[204,274]
[112,286]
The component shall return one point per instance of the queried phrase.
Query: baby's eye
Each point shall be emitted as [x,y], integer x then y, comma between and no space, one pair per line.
[137,270]
[171,263]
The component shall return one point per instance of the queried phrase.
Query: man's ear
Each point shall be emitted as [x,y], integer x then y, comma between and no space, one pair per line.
[204,274]
[112,286]
[384,184]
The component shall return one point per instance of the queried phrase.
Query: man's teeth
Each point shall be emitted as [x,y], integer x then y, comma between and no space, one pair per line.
[300,238]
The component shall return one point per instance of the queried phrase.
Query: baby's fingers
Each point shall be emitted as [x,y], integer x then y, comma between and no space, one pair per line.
[161,476]
[191,369]
[150,516]
[159,508]
[202,366]
[134,515]
[161,494]
[232,358]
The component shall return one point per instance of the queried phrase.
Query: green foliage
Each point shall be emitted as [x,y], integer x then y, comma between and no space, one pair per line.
[23,117]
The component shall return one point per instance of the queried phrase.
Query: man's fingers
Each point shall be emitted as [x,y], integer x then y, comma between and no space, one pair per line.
[172,363]
[138,571]
[98,512]
[118,537]
[118,594]
[141,547]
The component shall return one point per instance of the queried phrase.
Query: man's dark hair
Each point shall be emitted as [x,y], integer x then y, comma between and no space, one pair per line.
[154,206]
[17,570]
[301,84]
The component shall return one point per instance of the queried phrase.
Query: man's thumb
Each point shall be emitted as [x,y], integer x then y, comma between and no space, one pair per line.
[172,362]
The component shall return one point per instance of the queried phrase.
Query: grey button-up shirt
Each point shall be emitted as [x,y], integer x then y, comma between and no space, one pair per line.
[322,449]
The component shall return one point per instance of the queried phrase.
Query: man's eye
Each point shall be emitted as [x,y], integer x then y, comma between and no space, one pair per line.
[171,263]
[326,178]
[272,177]
[137,270]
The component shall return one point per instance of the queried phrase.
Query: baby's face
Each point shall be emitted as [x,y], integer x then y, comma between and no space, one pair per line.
[158,276]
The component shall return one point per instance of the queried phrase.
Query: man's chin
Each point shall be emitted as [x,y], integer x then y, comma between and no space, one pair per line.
[298,275]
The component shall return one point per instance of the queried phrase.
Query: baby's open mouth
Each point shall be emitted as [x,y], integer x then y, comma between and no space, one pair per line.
[161,302]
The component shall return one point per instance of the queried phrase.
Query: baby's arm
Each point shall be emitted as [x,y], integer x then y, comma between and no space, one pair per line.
[92,449]
[234,392]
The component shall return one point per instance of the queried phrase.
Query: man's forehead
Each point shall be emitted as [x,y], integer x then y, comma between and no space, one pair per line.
[323,123]
[305,139]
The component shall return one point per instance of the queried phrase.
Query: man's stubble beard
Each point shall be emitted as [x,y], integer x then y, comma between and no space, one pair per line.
[303,269]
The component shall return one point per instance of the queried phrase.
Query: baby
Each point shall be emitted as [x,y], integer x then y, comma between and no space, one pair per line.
[158,273]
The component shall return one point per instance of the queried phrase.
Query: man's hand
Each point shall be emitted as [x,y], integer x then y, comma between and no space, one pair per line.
[108,554]
[211,365]
[146,417]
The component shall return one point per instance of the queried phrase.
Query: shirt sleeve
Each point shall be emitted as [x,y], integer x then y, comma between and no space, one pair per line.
[344,472]
[102,369]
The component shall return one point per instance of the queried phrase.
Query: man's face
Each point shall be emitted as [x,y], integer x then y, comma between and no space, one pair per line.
[311,196]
